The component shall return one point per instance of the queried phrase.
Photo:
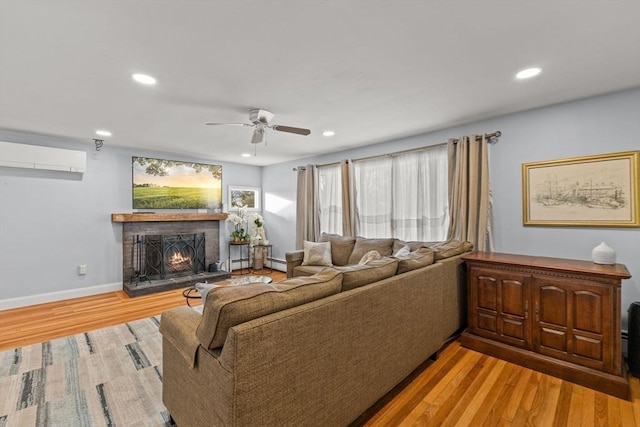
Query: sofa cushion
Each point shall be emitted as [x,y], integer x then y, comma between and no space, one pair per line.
[341,247]
[232,305]
[317,253]
[451,248]
[419,258]
[362,246]
[357,275]
[307,270]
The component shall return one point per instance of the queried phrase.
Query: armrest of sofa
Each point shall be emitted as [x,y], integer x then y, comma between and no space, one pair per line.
[294,259]
[178,326]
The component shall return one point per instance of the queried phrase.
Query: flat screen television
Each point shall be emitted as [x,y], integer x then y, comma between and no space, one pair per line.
[171,184]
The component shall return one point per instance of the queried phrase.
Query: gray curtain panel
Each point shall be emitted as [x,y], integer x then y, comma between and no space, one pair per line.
[469,194]
[307,213]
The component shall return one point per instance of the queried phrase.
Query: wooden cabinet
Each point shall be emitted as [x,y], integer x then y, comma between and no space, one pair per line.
[558,316]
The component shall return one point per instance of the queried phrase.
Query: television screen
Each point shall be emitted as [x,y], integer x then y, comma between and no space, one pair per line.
[171,184]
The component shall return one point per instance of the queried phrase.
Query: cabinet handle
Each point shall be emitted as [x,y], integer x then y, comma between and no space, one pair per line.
[537,313]
[526,309]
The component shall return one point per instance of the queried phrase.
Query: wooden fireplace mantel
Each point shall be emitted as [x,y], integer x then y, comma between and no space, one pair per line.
[164,217]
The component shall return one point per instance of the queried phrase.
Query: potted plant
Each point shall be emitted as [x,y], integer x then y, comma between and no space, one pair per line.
[238,219]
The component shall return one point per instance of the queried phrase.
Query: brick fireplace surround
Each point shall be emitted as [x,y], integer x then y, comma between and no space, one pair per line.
[135,225]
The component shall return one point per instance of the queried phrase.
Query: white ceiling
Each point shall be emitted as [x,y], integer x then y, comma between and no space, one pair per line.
[371,71]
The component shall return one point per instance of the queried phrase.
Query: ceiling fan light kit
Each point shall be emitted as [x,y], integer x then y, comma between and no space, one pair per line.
[260,121]
[259,135]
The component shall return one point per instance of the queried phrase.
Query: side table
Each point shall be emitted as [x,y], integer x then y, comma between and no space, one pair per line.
[241,246]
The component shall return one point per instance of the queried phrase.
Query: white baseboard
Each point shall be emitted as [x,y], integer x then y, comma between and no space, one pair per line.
[7,304]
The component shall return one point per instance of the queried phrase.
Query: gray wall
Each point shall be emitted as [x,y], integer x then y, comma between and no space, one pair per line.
[51,222]
[603,124]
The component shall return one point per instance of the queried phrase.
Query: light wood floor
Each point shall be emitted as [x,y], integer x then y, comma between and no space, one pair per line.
[461,388]
[42,322]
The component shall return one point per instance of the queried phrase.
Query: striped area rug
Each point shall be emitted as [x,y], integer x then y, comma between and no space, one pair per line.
[107,377]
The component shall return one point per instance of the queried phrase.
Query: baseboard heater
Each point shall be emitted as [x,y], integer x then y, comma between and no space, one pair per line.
[46,158]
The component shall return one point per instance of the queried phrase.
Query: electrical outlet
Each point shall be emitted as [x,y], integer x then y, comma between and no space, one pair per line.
[82,269]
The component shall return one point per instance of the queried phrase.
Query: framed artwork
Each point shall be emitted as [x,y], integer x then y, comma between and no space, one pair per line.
[591,191]
[173,184]
[248,196]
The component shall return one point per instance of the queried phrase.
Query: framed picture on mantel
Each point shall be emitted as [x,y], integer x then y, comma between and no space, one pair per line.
[591,191]
[248,196]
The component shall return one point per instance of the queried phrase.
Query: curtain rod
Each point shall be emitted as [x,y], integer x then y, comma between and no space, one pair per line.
[491,136]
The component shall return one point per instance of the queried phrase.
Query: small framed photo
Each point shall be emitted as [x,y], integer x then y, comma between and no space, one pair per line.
[592,191]
[247,196]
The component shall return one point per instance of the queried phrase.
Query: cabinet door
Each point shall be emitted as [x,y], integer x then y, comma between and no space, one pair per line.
[573,321]
[499,306]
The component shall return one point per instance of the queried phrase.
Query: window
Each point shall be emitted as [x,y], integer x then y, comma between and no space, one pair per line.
[403,196]
[420,197]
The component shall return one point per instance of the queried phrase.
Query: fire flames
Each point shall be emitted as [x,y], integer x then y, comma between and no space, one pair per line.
[179,262]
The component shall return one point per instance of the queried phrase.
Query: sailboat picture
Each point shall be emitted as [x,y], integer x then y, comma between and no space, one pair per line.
[599,190]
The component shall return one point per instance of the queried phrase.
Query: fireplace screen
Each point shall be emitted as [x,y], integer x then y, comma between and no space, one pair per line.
[166,256]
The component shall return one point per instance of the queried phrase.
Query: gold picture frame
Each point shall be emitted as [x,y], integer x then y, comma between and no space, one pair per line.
[590,191]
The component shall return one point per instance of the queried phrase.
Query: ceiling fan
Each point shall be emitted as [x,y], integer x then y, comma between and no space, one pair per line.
[261,121]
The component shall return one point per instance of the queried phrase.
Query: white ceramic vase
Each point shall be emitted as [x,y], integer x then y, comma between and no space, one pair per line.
[603,254]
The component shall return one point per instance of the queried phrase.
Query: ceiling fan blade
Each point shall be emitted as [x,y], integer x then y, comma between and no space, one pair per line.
[230,124]
[299,131]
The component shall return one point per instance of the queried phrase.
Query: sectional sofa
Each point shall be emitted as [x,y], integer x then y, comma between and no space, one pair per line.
[319,348]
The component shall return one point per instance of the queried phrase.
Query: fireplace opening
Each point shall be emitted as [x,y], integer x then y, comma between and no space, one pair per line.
[164,256]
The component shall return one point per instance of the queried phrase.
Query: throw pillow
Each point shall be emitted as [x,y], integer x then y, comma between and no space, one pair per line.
[413,245]
[402,252]
[317,253]
[369,256]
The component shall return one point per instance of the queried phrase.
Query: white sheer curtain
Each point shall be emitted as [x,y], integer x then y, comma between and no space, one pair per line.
[420,196]
[373,183]
[403,196]
[330,198]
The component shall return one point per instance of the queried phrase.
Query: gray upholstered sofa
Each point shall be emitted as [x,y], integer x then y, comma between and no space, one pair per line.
[307,351]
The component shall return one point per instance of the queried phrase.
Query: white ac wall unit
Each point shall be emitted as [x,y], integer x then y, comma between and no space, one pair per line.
[37,157]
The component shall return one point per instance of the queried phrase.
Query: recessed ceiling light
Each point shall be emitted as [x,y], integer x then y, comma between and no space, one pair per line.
[246,155]
[528,73]
[103,133]
[144,79]
[328,133]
